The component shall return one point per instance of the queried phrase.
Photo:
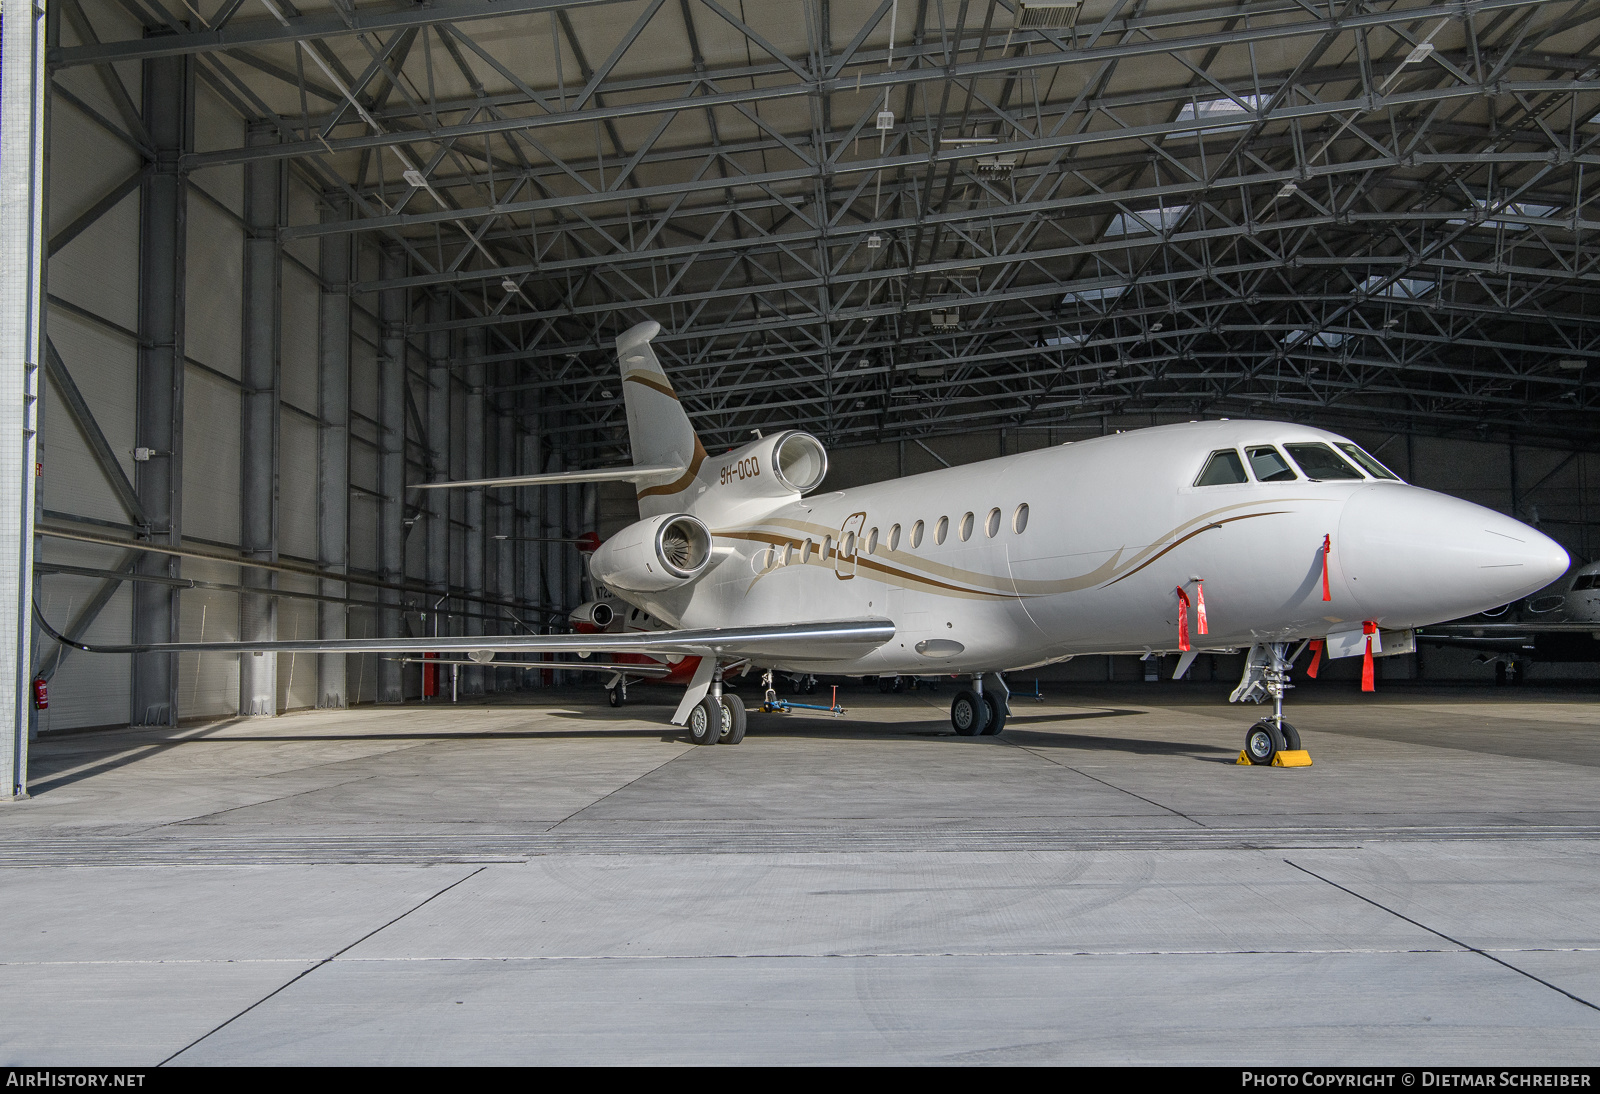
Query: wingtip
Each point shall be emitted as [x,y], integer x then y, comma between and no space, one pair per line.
[636,336]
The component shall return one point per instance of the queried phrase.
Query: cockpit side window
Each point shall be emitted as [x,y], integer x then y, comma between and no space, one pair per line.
[1268,465]
[1362,457]
[1222,468]
[1319,461]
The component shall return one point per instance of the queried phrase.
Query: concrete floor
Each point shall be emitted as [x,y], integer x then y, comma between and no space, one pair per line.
[556,883]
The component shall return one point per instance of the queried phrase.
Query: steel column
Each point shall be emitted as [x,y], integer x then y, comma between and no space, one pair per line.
[530,587]
[505,529]
[391,469]
[168,108]
[438,442]
[472,343]
[333,455]
[22,197]
[260,382]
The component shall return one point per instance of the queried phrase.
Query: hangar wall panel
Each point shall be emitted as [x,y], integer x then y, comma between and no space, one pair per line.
[102,364]
[297,487]
[208,683]
[298,342]
[214,289]
[297,673]
[211,457]
[86,689]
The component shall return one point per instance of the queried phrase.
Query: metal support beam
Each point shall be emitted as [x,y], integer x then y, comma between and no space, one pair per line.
[504,527]
[392,310]
[168,91]
[22,197]
[260,382]
[530,587]
[477,423]
[333,455]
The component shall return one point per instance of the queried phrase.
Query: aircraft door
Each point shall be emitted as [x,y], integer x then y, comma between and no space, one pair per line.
[850,545]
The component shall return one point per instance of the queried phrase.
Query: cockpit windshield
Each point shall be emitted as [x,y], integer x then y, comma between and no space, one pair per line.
[1320,462]
[1222,469]
[1362,457]
[1268,465]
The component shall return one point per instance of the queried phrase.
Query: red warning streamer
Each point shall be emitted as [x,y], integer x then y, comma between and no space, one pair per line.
[1200,603]
[1369,629]
[1183,620]
[1316,658]
[1327,549]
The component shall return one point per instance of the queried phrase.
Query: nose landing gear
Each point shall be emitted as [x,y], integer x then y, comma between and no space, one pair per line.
[1271,741]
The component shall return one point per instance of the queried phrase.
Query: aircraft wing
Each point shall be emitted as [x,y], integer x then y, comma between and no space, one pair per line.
[827,640]
[566,478]
[648,672]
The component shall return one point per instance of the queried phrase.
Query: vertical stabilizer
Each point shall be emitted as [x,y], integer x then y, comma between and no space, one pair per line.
[658,429]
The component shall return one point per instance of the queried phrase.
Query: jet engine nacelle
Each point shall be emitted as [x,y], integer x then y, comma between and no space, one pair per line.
[654,554]
[592,617]
[778,466]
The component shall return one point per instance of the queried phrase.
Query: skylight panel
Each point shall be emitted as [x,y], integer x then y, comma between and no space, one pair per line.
[1515,208]
[1327,339]
[1093,296]
[1212,109]
[1063,338]
[1403,288]
[1145,221]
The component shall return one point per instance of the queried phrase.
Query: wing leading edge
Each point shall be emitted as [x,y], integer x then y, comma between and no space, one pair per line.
[828,640]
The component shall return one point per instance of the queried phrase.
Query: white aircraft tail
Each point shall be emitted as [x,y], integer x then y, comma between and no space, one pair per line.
[658,429]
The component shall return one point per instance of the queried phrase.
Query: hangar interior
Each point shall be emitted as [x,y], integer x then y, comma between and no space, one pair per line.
[294,260]
[268,266]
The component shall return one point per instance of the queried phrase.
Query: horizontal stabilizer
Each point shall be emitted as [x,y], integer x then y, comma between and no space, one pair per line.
[838,640]
[565,478]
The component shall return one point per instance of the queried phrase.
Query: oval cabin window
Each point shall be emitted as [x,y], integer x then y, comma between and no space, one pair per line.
[966,528]
[991,526]
[849,547]
[827,548]
[916,535]
[1019,519]
[872,542]
[941,530]
[805,552]
[894,538]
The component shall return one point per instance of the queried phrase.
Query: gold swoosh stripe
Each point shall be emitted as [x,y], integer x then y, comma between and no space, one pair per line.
[1175,543]
[650,382]
[683,481]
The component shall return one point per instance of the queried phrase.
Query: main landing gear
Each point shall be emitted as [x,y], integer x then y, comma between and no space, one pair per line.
[719,718]
[1266,675]
[978,711]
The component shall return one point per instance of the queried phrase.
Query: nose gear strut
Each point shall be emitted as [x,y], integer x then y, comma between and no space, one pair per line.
[1271,741]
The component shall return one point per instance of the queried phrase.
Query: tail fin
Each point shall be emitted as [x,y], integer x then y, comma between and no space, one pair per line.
[658,429]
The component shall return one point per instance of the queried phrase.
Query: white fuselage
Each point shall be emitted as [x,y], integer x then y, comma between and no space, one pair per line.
[1114,527]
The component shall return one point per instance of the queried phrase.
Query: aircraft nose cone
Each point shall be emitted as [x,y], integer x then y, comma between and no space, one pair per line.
[1410,556]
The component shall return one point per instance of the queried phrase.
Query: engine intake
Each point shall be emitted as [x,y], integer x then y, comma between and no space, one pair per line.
[653,555]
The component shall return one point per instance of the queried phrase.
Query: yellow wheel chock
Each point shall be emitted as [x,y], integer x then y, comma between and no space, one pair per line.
[1297,757]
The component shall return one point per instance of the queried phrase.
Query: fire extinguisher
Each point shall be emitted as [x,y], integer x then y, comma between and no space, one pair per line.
[41,693]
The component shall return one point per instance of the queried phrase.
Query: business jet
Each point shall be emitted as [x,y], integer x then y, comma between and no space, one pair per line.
[1255,535]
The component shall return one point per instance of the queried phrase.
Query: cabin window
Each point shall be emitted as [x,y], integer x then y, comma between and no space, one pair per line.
[966,528]
[1268,465]
[827,548]
[1222,469]
[916,535]
[872,542]
[941,530]
[1365,459]
[1019,519]
[849,544]
[788,553]
[991,526]
[1319,461]
[894,538]
[805,552]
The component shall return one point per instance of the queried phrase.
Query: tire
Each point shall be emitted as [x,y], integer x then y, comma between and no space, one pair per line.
[899,684]
[797,684]
[734,718]
[705,722]
[1291,737]
[1262,743]
[886,684]
[614,696]
[811,685]
[969,714]
[997,714]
